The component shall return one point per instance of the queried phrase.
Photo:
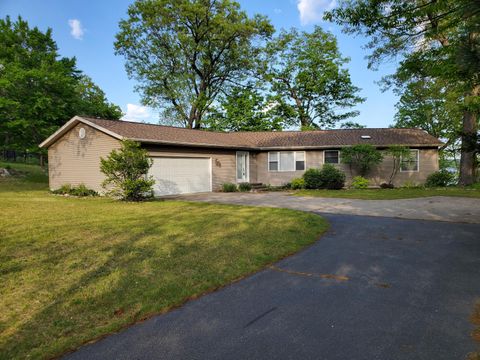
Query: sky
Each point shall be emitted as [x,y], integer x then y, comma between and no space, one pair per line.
[86,30]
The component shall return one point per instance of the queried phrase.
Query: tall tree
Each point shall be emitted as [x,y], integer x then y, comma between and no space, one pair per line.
[184,53]
[437,39]
[246,109]
[432,105]
[39,90]
[92,101]
[306,72]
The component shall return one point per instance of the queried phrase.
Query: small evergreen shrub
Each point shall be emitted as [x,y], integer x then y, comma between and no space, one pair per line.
[331,177]
[312,179]
[298,183]
[126,172]
[244,187]
[440,178]
[359,182]
[229,187]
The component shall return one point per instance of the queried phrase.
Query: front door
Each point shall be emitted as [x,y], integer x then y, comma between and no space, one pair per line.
[242,166]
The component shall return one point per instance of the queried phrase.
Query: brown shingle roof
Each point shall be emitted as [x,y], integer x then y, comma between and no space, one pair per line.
[264,140]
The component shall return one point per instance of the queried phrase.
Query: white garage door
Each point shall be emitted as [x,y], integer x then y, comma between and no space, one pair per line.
[181,175]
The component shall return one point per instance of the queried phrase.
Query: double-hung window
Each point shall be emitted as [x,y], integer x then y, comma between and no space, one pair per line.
[286,160]
[331,156]
[410,163]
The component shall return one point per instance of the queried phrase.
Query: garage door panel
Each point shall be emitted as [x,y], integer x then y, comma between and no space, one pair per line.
[181,175]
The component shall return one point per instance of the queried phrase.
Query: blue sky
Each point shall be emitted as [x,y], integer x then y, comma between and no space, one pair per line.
[86,29]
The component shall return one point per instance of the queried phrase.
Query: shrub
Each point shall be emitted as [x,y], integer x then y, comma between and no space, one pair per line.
[126,172]
[361,157]
[229,187]
[312,179]
[440,178]
[244,187]
[386,186]
[359,182]
[331,177]
[80,190]
[298,183]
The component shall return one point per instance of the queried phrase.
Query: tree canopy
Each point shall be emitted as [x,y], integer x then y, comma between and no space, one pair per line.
[39,90]
[306,72]
[185,53]
[434,39]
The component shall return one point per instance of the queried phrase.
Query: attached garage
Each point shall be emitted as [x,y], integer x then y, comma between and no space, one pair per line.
[181,175]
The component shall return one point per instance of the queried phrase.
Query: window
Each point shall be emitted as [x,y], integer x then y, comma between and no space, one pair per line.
[286,160]
[410,163]
[331,157]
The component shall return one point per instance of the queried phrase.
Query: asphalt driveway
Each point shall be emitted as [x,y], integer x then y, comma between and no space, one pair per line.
[371,288]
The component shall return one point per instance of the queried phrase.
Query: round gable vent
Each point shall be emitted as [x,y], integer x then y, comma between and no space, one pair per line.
[81,133]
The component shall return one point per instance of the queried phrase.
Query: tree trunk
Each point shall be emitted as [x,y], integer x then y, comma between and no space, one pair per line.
[468,151]
[468,154]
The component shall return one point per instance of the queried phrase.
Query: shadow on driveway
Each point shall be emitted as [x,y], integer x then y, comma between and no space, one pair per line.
[407,292]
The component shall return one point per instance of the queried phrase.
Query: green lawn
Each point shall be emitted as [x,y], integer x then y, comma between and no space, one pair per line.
[73,269]
[391,194]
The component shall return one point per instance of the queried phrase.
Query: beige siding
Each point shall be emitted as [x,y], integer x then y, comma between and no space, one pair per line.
[277,178]
[428,163]
[75,161]
[223,161]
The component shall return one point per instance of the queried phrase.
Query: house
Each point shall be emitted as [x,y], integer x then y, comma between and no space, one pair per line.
[189,161]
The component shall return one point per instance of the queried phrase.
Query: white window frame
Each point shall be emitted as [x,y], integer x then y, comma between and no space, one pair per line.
[294,161]
[418,162]
[338,151]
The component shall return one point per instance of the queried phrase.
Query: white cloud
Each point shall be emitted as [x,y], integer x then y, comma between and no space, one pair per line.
[311,11]
[76,29]
[137,113]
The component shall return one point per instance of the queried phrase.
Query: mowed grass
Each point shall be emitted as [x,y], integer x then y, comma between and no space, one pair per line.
[73,269]
[392,194]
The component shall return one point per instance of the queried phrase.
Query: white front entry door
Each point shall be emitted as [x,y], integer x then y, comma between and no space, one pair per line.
[242,167]
[181,175]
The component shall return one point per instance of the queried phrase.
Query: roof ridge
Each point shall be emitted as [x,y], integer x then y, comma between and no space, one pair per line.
[245,132]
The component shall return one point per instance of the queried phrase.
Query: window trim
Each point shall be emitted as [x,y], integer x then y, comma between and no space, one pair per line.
[294,161]
[418,162]
[339,161]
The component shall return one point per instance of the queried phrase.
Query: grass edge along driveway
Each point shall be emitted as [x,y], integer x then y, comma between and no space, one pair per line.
[74,269]
[391,194]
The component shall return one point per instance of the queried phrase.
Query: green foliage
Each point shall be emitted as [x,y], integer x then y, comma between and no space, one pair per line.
[440,178]
[312,179]
[245,109]
[126,172]
[306,73]
[196,49]
[39,91]
[397,152]
[229,187]
[362,158]
[80,190]
[329,177]
[244,187]
[359,182]
[438,46]
[297,183]
[351,125]
[93,102]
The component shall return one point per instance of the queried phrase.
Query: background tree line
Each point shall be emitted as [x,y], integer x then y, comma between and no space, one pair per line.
[39,90]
